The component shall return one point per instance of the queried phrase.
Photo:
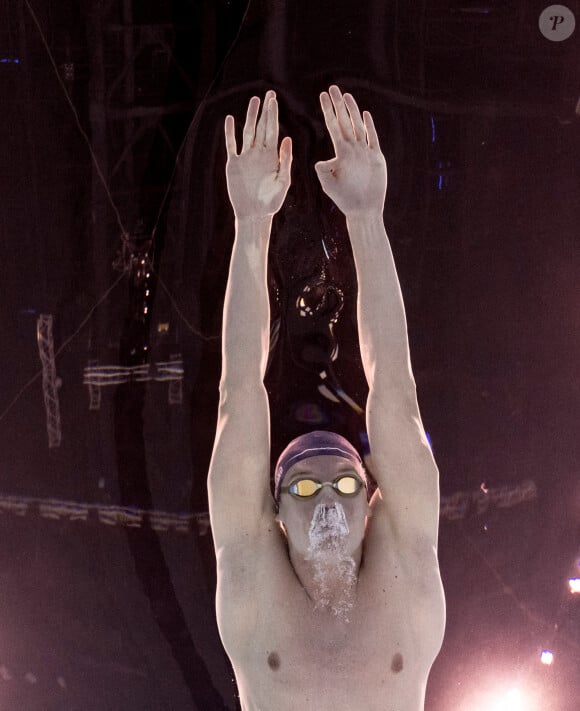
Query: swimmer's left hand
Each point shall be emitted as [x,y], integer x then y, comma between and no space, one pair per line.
[356,178]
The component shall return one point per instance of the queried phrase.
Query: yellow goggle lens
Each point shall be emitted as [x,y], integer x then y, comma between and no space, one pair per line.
[304,487]
[348,485]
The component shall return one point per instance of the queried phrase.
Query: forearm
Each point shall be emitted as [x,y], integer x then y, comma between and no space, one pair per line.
[381,314]
[246,318]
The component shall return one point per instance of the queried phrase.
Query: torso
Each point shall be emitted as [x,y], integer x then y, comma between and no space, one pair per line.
[287,655]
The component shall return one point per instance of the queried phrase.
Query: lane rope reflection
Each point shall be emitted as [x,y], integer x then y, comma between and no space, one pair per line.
[457,506]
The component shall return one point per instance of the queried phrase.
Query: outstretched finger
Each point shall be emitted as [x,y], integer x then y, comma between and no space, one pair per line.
[272,126]
[250,125]
[341,113]
[355,117]
[372,136]
[264,118]
[230,131]
[263,121]
[330,120]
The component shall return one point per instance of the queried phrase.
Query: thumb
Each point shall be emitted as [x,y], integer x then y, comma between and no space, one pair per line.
[285,155]
[325,167]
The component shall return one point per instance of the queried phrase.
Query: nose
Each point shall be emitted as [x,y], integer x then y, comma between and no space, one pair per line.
[327,495]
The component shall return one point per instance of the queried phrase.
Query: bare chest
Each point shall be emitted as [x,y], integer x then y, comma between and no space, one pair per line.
[366,619]
[288,655]
[297,657]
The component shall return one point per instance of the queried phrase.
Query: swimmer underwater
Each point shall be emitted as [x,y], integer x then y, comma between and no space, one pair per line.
[326,601]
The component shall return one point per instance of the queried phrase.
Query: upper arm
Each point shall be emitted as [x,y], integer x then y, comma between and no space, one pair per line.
[240,501]
[403,465]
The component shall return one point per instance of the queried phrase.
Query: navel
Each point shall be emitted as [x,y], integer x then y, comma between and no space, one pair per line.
[397,663]
[274,661]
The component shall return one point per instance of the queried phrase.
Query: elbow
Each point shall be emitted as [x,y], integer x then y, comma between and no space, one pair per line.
[234,382]
[388,379]
[397,398]
[244,372]
[238,393]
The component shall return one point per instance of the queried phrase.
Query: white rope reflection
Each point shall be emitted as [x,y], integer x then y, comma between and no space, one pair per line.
[98,376]
[108,515]
[105,375]
[460,505]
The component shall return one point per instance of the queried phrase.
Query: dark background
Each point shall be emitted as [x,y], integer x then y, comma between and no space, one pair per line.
[106,603]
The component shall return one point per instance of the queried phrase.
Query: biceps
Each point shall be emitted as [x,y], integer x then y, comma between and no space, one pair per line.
[396,433]
[239,486]
[404,468]
[243,428]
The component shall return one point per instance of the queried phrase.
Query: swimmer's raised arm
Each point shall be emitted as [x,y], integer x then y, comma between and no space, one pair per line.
[258,178]
[356,180]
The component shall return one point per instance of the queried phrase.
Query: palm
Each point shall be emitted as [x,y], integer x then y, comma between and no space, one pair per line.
[258,177]
[253,178]
[356,179]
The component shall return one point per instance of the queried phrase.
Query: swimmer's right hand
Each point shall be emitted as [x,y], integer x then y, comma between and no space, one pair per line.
[258,177]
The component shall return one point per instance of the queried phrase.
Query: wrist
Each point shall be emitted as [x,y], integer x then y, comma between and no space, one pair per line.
[368,216]
[254,221]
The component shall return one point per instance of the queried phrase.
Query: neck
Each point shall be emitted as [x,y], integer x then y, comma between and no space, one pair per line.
[329,579]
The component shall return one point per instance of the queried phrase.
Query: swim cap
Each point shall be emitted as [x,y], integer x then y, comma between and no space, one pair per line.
[314,444]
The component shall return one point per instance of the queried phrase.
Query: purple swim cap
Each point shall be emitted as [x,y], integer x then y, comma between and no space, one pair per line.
[314,444]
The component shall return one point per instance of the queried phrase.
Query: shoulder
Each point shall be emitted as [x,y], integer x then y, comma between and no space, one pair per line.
[404,521]
[409,559]
[406,505]
[405,580]
[251,573]
[245,565]
[240,500]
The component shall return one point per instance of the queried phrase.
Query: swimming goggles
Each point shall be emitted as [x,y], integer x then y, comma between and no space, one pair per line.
[345,485]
